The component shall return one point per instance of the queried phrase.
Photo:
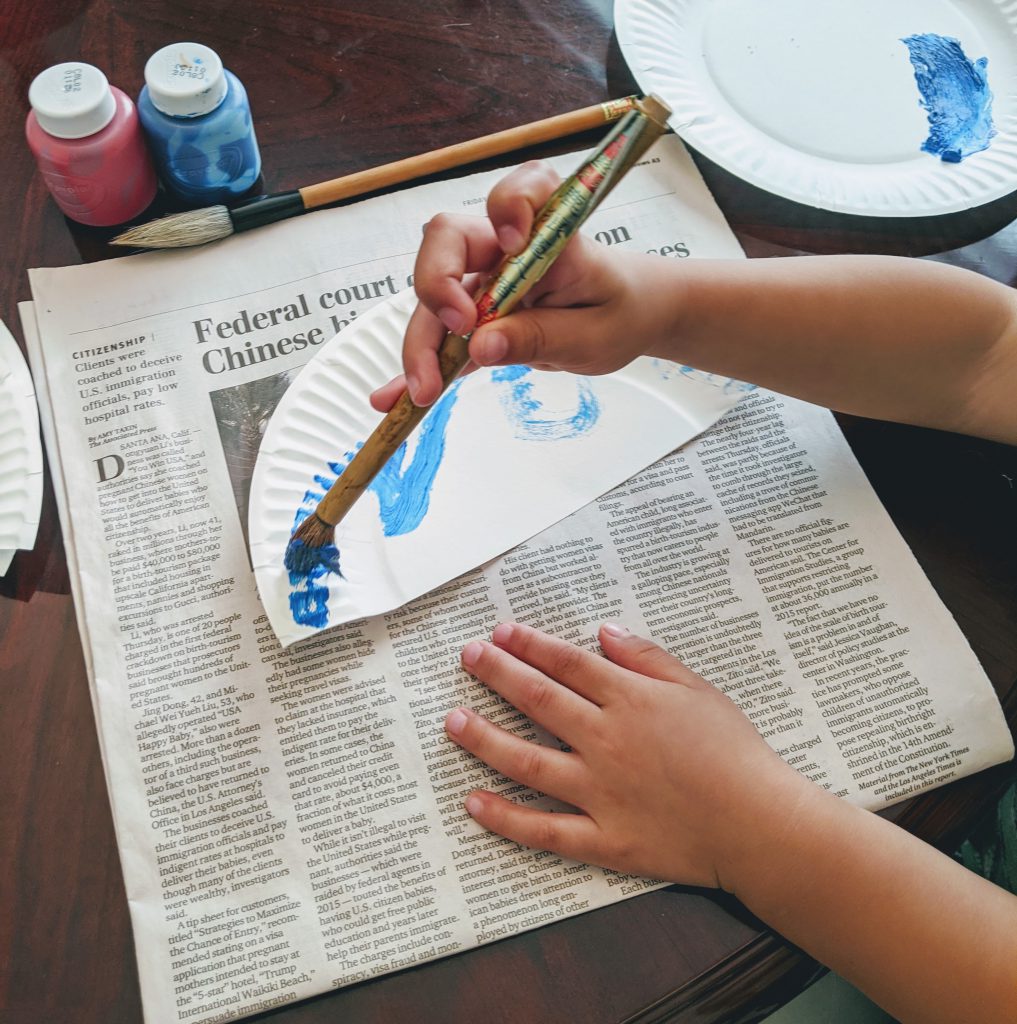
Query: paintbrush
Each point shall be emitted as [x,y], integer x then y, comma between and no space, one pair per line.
[313,542]
[196,227]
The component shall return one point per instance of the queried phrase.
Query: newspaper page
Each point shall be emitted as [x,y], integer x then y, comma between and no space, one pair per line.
[290,820]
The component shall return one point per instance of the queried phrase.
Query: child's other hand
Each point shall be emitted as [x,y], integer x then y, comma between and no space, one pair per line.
[583,316]
[672,780]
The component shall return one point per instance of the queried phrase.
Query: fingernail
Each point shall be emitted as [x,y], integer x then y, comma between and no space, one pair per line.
[615,629]
[471,653]
[473,805]
[452,319]
[455,722]
[412,386]
[502,633]
[510,239]
[492,348]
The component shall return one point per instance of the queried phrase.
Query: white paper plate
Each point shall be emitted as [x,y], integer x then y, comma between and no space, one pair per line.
[20,451]
[498,481]
[819,102]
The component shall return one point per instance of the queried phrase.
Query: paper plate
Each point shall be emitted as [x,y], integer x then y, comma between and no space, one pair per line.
[877,107]
[20,451]
[503,455]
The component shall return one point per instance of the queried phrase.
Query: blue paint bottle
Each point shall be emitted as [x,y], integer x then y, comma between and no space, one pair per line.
[198,123]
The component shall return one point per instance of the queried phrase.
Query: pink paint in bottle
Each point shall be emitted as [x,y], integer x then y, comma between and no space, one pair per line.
[87,140]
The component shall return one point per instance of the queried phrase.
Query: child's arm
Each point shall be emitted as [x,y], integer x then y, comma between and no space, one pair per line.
[881,336]
[674,782]
[886,337]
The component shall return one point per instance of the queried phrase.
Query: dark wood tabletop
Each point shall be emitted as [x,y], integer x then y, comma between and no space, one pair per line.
[335,88]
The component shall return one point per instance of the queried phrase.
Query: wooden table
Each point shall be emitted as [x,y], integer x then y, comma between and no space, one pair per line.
[337,88]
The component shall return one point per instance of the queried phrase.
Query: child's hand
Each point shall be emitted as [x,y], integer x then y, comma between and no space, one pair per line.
[583,316]
[672,779]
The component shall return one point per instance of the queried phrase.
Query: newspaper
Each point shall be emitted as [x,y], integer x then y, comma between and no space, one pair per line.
[290,820]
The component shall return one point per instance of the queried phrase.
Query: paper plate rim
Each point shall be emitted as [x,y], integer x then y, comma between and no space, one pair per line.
[923,187]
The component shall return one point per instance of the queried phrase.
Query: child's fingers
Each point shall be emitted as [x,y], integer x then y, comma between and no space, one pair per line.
[559,709]
[589,676]
[424,333]
[563,338]
[574,836]
[638,654]
[516,199]
[453,246]
[385,397]
[541,768]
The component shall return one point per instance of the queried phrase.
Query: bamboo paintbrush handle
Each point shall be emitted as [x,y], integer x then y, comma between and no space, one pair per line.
[461,153]
[386,437]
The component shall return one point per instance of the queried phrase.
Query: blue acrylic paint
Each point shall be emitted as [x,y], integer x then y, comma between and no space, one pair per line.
[303,560]
[308,567]
[676,371]
[523,410]
[198,123]
[404,496]
[955,94]
[309,604]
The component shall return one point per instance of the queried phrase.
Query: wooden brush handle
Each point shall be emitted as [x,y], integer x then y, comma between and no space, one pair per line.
[386,437]
[461,153]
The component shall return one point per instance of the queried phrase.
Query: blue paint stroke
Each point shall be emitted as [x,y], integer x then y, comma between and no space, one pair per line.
[955,94]
[308,566]
[728,385]
[522,408]
[404,496]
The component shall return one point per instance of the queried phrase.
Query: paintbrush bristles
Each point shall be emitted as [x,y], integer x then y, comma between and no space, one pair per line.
[194,227]
[310,546]
[313,532]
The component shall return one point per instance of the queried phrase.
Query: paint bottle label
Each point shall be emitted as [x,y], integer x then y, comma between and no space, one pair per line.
[77,197]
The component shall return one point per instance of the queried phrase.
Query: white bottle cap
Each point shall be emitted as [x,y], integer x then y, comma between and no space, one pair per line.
[185,80]
[72,100]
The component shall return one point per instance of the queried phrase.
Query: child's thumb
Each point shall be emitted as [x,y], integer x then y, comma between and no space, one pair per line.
[536,337]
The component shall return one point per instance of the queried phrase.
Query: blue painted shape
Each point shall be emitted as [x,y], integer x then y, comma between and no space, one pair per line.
[676,371]
[303,560]
[309,604]
[728,385]
[522,408]
[955,94]
[404,496]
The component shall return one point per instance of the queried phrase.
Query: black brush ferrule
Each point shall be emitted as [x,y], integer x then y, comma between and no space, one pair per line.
[266,210]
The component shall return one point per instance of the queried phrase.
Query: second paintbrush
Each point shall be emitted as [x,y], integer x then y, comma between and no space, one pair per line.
[312,544]
[198,227]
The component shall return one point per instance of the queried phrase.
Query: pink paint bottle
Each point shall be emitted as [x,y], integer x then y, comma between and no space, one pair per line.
[87,140]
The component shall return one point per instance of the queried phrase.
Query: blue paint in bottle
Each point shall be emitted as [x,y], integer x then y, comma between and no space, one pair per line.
[198,123]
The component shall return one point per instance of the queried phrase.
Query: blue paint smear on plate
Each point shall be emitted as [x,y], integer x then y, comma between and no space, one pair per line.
[404,496]
[955,95]
[522,408]
[675,371]
[309,568]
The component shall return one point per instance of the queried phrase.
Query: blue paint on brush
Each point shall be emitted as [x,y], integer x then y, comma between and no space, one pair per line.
[303,560]
[309,567]
[955,94]
[522,409]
